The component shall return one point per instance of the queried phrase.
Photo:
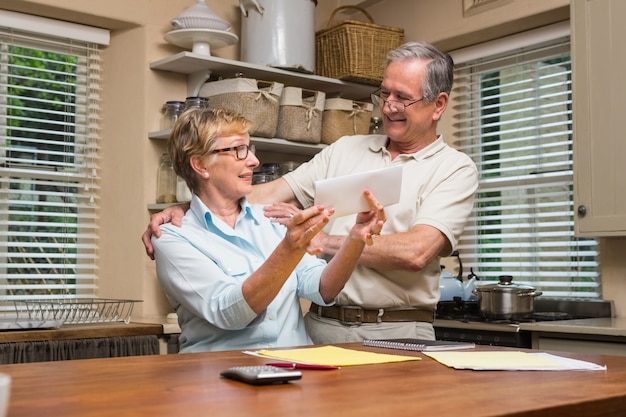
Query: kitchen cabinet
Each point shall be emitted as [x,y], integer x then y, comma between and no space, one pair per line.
[542,341]
[80,341]
[605,336]
[599,99]
[198,68]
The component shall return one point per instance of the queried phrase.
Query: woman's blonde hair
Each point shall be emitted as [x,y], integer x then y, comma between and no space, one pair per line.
[194,134]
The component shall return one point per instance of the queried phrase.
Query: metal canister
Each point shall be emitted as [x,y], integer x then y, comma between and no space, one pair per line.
[376,126]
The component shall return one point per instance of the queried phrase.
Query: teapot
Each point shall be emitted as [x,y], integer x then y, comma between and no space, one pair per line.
[453,287]
[450,286]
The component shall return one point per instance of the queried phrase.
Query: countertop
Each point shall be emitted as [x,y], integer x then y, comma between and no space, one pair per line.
[169,323]
[476,325]
[82,331]
[608,326]
[601,326]
[139,326]
[615,327]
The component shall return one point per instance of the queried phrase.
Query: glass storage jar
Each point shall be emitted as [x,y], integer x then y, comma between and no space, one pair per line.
[183,193]
[196,102]
[170,112]
[166,181]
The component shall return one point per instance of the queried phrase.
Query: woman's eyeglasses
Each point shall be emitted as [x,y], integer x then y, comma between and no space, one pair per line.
[241,151]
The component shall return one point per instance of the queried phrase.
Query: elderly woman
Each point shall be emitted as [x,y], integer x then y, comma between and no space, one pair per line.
[233,276]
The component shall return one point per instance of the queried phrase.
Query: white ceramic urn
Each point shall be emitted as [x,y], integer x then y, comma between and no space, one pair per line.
[279,33]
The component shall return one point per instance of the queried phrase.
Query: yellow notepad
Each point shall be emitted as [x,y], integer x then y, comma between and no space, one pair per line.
[333,355]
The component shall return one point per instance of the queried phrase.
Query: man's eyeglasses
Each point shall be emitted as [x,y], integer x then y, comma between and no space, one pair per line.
[395,105]
[241,151]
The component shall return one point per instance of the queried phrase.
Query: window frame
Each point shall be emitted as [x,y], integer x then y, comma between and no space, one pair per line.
[585,275]
[71,172]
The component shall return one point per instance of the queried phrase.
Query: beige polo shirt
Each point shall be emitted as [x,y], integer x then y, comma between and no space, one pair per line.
[438,189]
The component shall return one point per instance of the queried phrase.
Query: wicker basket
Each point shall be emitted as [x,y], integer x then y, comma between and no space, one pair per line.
[256,100]
[353,50]
[300,115]
[344,117]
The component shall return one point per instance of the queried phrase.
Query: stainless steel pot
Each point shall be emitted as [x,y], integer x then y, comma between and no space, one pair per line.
[506,300]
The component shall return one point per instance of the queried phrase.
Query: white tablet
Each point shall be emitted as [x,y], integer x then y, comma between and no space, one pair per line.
[345,193]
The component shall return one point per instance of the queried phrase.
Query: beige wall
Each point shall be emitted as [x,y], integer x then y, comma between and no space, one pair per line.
[133,95]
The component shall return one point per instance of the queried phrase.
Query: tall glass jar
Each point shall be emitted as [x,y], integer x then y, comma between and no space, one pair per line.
[166,181]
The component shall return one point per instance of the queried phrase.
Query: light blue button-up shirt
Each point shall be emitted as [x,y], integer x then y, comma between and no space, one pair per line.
[201,267]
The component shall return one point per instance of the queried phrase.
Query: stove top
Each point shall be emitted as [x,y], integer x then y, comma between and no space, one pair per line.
[462,321]
[469,311]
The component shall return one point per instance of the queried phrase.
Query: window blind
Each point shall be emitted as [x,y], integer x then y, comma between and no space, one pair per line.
[49,165]
[514,119]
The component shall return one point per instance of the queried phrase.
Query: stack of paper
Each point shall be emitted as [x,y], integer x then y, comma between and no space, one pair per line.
[511,361]
[332,355]
[478,361]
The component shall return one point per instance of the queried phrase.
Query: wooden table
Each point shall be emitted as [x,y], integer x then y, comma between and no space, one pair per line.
[190,385]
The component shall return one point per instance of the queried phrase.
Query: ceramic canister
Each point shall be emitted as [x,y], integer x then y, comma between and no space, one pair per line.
[279,33]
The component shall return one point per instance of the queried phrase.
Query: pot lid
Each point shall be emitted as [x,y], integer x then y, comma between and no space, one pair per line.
[506,284]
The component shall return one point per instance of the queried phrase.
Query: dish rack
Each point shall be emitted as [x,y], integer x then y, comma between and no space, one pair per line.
[77,310]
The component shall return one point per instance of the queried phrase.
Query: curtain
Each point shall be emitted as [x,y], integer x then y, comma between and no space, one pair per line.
[60,350]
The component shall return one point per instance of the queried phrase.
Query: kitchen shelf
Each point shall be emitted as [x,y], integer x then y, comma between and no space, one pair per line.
[265,144]
[200,67]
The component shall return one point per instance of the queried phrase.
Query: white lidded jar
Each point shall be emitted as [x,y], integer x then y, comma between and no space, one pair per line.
[279,33]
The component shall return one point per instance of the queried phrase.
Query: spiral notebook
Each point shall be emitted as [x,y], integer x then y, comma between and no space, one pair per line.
[419,345]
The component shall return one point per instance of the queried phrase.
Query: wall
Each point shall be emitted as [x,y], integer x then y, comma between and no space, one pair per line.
[133,95]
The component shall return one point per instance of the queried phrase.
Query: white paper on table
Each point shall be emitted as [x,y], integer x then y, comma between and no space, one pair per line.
[572,364]
[345,193]
[511,361]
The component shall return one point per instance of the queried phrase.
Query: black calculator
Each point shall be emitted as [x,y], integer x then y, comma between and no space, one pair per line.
[261,374]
